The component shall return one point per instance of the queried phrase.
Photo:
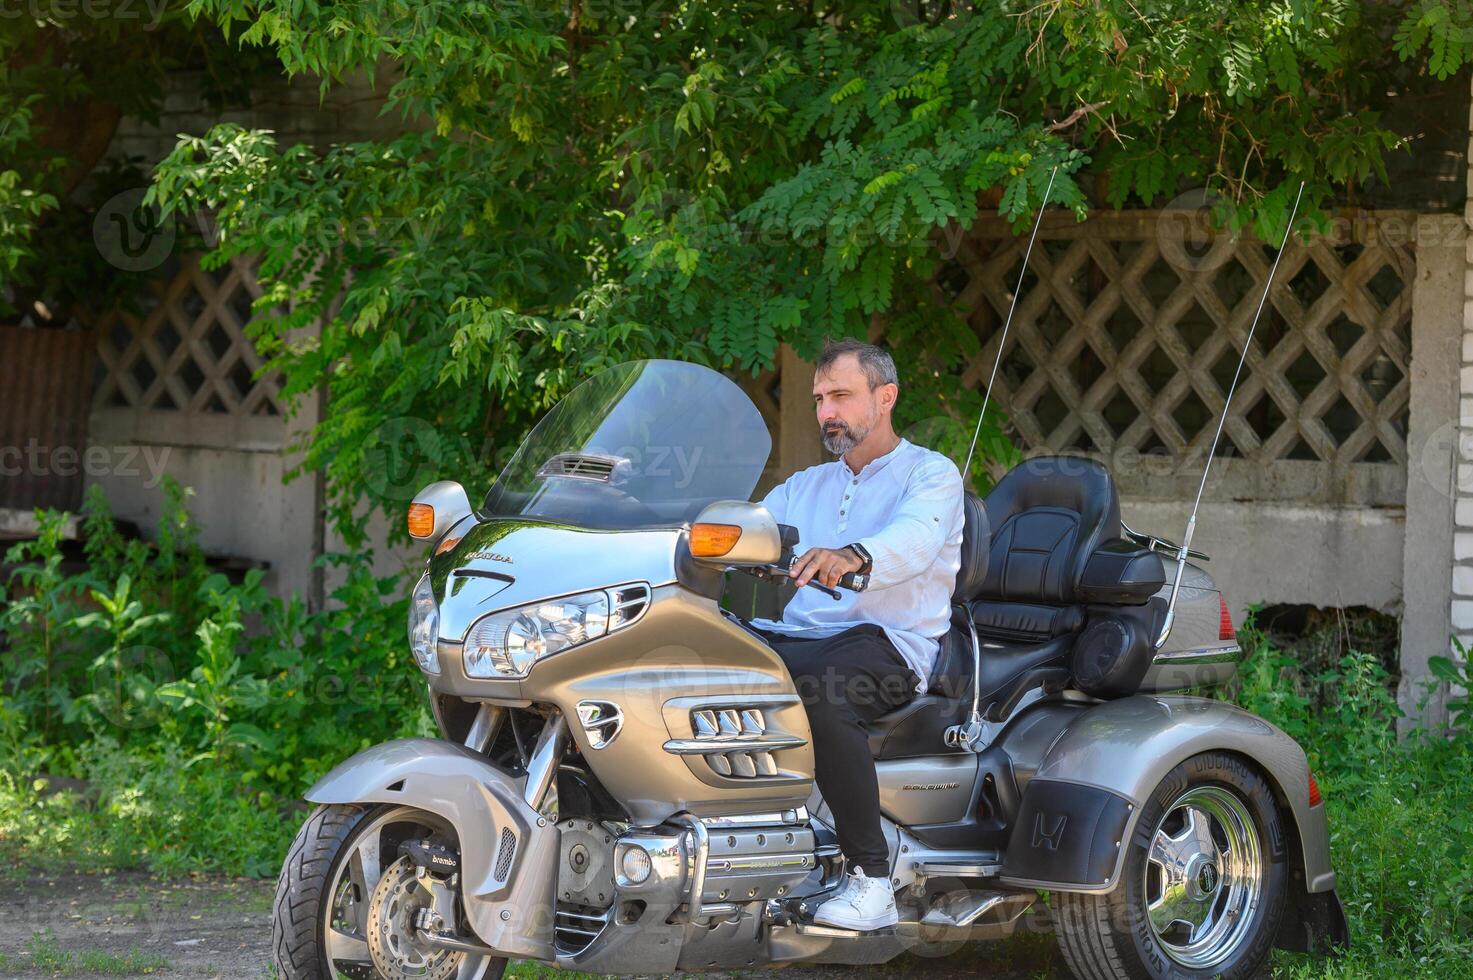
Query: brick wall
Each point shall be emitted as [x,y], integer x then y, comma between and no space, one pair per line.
[1462,571]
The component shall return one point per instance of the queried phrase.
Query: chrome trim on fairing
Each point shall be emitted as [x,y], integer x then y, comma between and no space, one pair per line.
[739,743]
[602,722]
[574,932]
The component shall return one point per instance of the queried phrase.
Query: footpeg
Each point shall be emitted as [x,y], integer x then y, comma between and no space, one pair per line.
[799,913]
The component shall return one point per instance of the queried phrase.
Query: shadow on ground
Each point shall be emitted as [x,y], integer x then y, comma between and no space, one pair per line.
[133,924]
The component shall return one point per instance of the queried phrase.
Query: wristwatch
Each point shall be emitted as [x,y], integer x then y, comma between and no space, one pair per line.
[869,563]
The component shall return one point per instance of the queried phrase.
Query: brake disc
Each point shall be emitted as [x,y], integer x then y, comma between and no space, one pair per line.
[393,939]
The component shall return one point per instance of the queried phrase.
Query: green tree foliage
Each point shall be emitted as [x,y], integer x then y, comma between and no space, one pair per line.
[69,73]
[585,180]
[22,202]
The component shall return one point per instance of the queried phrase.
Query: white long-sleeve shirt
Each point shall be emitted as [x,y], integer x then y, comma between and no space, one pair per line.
[905,509]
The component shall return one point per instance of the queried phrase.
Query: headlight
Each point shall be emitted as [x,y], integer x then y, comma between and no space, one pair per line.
[508,643]
[424,626]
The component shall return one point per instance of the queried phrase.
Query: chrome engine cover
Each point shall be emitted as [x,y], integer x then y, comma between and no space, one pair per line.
[755,863]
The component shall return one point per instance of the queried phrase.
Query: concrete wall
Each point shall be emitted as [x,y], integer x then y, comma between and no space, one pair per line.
[1286,553]
[1438,302]
[241,503]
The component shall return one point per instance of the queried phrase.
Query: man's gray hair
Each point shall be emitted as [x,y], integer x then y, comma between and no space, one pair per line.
[876,363]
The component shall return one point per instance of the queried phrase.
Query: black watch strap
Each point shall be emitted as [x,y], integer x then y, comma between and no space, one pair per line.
[864,556]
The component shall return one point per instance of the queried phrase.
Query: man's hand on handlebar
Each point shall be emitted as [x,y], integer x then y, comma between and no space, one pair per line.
[828,565]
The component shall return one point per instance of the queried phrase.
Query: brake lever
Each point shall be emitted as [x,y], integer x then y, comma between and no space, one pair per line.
[779,573]
[834,594]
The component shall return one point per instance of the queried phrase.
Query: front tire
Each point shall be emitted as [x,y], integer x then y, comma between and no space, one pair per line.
[1204,884]
[320,919]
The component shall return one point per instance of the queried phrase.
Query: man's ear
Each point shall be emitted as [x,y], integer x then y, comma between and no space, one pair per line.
[888,394]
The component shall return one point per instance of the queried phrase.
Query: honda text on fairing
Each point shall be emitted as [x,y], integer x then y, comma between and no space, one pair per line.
[624,778]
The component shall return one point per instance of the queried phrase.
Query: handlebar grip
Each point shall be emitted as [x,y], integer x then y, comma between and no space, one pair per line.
[854,581]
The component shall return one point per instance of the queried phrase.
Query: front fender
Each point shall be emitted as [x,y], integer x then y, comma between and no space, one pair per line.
[508,852]
[1095,777]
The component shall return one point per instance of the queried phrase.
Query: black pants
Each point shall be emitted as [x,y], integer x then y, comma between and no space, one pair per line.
[846,680]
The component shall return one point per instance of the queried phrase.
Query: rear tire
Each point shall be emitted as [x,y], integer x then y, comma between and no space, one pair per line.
[1203,889]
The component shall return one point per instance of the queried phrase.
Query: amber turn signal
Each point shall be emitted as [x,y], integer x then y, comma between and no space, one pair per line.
[445,545]
[421,520]
[713,540]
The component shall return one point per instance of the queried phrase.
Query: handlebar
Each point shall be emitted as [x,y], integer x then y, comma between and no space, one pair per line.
[852,581]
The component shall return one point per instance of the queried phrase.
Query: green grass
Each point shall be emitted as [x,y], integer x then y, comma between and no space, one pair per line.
[45,955]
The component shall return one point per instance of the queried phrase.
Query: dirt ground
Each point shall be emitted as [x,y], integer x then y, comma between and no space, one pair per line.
[131,924]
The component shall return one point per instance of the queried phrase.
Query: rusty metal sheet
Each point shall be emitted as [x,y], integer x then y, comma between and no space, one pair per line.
[45,392]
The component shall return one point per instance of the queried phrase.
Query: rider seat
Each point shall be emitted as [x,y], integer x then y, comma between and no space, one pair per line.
[1024,551]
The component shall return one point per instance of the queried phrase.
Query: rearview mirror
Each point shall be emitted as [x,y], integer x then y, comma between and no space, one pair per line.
[735,532]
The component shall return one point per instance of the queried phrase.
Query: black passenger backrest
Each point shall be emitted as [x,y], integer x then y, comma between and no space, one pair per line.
[976,536]
[1046,515]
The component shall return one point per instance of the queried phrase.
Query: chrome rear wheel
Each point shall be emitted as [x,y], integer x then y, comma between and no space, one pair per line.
[1203,877]
[1203,887]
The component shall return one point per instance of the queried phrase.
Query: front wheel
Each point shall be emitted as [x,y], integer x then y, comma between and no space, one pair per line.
[1203,888]
[325,921]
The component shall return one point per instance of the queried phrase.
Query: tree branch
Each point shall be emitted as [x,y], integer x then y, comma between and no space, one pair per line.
[1075,116]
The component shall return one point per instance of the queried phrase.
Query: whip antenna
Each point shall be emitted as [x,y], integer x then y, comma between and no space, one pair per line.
[1181,555]
[987,395]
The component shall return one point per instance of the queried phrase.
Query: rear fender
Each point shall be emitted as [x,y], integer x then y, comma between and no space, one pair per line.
[508,852]
[1086,796]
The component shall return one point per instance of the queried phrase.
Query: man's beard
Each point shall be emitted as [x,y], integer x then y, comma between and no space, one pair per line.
[839,438]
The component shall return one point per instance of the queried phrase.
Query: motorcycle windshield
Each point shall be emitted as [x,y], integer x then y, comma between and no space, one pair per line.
[644,444]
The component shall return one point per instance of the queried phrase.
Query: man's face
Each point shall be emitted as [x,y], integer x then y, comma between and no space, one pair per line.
[848,410]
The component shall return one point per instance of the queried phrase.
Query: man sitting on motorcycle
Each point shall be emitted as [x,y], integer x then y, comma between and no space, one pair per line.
[892,510]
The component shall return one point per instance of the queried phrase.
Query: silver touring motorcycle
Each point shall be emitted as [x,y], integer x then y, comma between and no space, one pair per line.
[624,782]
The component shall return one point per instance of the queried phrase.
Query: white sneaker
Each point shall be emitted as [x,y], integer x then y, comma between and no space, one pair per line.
[862,904]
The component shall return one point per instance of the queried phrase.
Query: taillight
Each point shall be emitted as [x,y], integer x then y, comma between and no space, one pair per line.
[1314,791]
[1225,629]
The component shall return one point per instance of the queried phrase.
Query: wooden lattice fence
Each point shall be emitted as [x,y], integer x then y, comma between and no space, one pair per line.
[1126,336]
[181,370]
